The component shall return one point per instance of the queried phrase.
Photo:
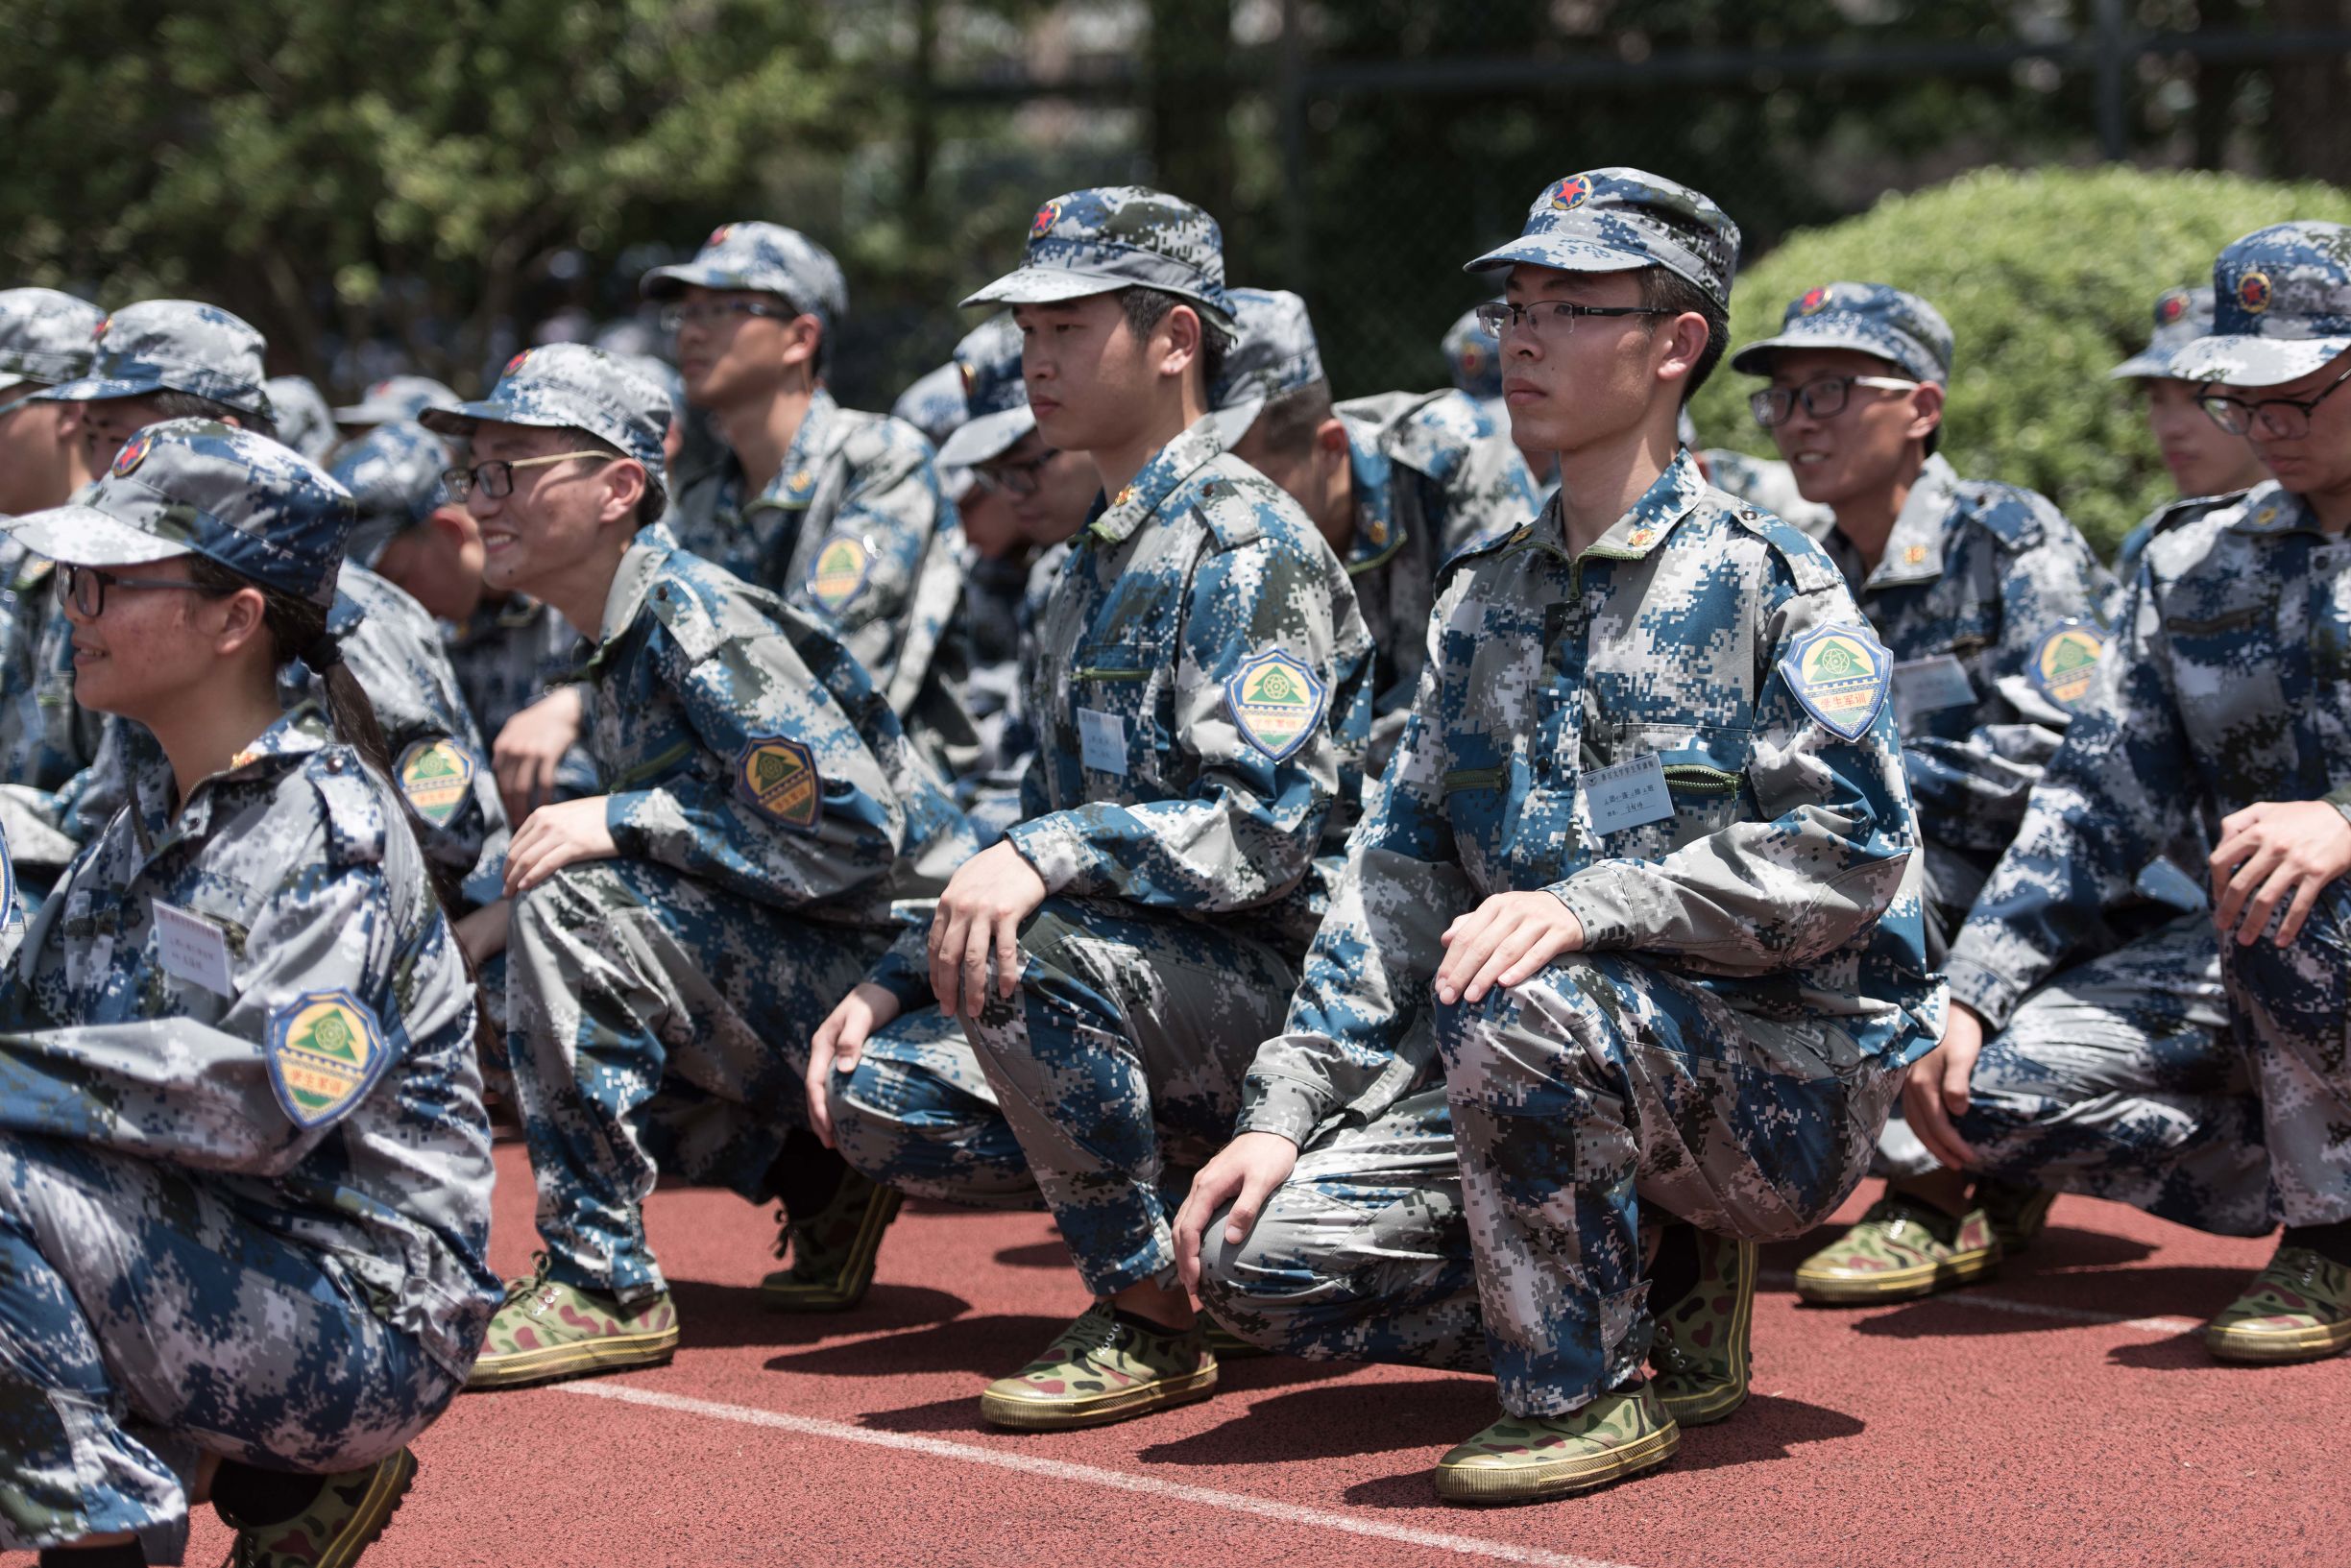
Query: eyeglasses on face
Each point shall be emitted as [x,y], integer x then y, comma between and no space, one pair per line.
[2287,419]
[496,478]
[713,312]
[1021,479]
[84,587]
[1548,319]
[1823,399]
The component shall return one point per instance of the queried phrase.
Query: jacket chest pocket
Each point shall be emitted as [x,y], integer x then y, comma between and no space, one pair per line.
[1666,786]
[2224,669]
[1115,728]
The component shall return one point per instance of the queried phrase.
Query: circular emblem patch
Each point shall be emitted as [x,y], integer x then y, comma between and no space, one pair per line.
[1472,358]
[1276,702]
[839,575]
[2170,307]
[324,1050]
[718,236]
[436,776]
[133,452]
[1571,193]
[779,777]
[1814,302]
[514,364]
[98,333]
[1046,217]
[2253,292]
[2065,662]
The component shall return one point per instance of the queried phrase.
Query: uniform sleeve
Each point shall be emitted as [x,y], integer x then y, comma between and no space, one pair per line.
[1491,494]
[891,507]
[752,699]
[1248,830]
[1971,791]
[2110,799]
[403,666]
[1821,859]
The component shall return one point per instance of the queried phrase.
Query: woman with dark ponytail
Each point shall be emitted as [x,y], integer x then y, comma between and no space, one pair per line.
[244,1168]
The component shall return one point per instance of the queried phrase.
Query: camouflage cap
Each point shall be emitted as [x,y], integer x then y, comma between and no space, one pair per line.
[1110,237]
[934,403]
[2182,315]
[394,475]
[989,361]
[763,256]
[303,421]
[2281,307]
[254,505]
[1273,352]
[570,386]
[1473,357]
[398,397]
[1867,318]
[1614,220]
[45,336]
[173,345]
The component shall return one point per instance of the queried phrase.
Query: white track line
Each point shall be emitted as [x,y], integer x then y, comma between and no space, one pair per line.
[2026,1309]
[1288,1513]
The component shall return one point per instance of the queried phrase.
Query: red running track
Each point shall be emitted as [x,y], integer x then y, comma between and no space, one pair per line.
[2022,1421]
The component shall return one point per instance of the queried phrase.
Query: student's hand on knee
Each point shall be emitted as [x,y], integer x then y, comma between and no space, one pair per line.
[555,836]
[1505,941]
[1244,1173]
[531,746]
[1936,1089]
[838,1045]
[979,915]
[482,933]
[2277,852]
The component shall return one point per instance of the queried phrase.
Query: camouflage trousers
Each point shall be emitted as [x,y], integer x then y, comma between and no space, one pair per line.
[658,1024]
[145,1321]
[2293,1011]
[1599,1087]
[2121,1080]
[1116,1067]
[918,1114]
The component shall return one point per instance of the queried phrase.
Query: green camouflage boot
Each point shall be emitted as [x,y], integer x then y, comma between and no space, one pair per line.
[1901,1249]
[1701,1352]
[2017,1214]
[833,1252]
[1527,1459]
[547,1332]
[2297,1310]
[1103,1369]
[349,1511]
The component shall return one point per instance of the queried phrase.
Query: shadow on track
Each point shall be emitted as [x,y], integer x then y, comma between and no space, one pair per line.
[1327,1423]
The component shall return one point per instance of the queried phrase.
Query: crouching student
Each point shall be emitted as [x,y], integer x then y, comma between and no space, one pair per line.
[244,1170]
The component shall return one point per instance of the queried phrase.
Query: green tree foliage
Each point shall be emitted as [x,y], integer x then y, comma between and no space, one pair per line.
[2048,281]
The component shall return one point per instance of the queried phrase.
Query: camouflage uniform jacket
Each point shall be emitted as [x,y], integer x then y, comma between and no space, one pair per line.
[741,744]
[297,851]
[1431,475]
[1782,880]
[45,737]
[2229,684]
[506,657]
[1985,573]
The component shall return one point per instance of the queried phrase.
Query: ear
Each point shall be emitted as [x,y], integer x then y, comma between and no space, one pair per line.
[624,487]
[1330,437]
[1926,411]
[1182,330]
[802,337]
[1681,343]
[72,419]
[244,616]
[453,527]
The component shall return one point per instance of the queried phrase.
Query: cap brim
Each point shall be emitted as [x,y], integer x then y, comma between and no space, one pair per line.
[82,535]
[1045,286]
[1232,423]
[97,389]
[2153,365]
[370,414]
[1568,254]
[461,420]
[991,435]
[670,282]
[1756,358]
[7,381]
[2250,361]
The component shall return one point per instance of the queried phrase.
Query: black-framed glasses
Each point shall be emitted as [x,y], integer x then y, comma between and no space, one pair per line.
[496,477]
[1824,398]
[2287,419]
[1009,478]
[711,312]
[84,587]
[1549,320]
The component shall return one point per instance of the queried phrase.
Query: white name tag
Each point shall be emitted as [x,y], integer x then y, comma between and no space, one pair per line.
[1929,685]
[1101,740]
[1627,794]
[192,948]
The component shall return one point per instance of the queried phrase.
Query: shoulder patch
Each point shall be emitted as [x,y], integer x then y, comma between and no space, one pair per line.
[1276,703]
[2019,518]
[778,776]
[1841,675]
[326,1049]
[1809,564]
[2065,662]
[437,777]
[839,574]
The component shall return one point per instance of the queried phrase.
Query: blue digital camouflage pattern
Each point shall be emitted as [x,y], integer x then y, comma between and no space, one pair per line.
[1272,351]
[570,386]
[995,396]
[2225,687]
[934,403]
[171,345]
[398,397]
[507,656]
[45,336]
[2182,315]
[1618,218]
[1876,319]
[767,812]
[1109,238]
[1770,918]
[762,258]
[394,475]
[1473,357]
[300,416]
[1768,485]
[288,1269]
[2281,307]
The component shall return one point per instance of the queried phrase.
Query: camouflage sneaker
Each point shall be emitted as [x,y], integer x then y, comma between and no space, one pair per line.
[2297,1310]
[2017,1214]
[1901,1249]
[1527,1459]
[1701,1352]
[1228,1346]
[349,1511]
[834,1251]
[547,1332]
[1103,1369]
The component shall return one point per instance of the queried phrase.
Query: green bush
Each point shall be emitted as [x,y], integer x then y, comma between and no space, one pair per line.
[2048,281]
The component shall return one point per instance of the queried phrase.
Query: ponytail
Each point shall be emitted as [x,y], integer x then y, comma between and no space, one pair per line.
[350,710]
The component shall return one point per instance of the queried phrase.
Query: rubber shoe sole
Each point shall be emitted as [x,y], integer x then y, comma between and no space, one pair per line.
[585,1358]
[1823,1288]
[848,1289]
[387,1488]
[2271,1347]
[1489,1486]
[1060,1414]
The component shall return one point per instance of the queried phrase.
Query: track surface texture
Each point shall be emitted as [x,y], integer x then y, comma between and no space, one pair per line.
[2063,1413]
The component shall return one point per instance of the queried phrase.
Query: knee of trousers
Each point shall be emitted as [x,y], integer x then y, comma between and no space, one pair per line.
[1258,1286]
[1555,1007]
[887,1105]
[1051,973]
[2293,977]
[545,923]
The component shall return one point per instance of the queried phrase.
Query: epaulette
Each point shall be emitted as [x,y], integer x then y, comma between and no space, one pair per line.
[1483,549]
[1809,564]
[2187,509]
[1434,437]
[2018,517]
[679,603]
[357,805]
[1228,499]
